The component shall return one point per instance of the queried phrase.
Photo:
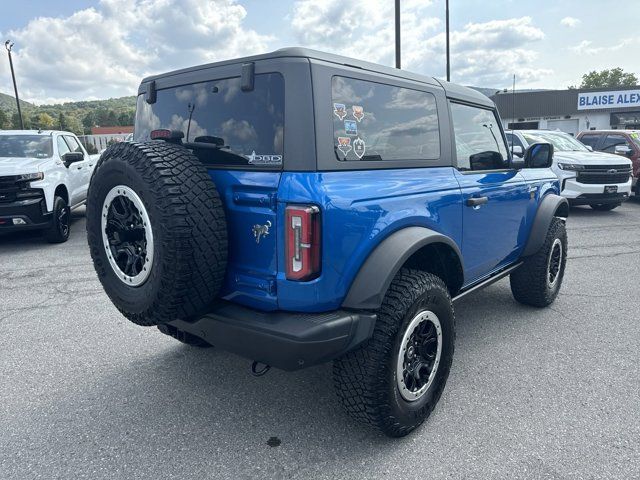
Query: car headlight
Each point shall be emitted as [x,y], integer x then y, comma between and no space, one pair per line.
[570,166]
[30,177]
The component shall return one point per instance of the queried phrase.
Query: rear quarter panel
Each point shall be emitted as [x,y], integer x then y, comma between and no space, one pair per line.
[359,210]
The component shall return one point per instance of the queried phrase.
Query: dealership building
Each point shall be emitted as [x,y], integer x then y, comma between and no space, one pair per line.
[570,111]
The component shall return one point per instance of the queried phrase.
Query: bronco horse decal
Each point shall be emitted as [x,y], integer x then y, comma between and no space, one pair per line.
[260,231]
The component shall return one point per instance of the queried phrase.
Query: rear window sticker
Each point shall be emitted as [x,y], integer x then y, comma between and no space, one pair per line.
[255,159]
[344,145]
[359,147]
[340,110]
[358,112]
[350,127]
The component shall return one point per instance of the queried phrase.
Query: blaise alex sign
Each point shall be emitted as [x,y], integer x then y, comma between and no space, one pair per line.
[617,99]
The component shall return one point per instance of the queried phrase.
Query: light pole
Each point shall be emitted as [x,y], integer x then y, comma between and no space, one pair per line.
[397,33]
[8,45]
[447,28]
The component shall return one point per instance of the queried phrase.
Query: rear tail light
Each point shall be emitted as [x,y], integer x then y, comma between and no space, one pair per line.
[302,242]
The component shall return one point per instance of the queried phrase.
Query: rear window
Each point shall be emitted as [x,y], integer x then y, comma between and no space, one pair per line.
[374,121]
[227,126]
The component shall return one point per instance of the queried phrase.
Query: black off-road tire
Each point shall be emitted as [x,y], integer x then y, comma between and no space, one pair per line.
[366,380]
[60,228]
[604,207]
[183,337]
[530,283]
[188,226]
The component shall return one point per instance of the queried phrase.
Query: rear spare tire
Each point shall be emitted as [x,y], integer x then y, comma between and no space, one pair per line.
[157,232]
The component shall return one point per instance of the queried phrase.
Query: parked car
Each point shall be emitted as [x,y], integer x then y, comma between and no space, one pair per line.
[600,180]
[620,142]
[43,176]
[299,207]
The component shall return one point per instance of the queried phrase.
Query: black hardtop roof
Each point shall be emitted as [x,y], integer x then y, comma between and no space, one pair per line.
[451,89]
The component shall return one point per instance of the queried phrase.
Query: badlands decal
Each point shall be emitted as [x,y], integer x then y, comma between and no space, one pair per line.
[359,147]
[358,112]
[350,127]
[344,145]
[340,110]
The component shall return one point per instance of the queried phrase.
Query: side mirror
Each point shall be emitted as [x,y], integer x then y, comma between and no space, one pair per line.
[623,150]
[539,155]
[487,161]
[589,147]
[518,151]
[72,157]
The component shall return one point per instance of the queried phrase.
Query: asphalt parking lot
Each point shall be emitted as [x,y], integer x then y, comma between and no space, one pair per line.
[549,393]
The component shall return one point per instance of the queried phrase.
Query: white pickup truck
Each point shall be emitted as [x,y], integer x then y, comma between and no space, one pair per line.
[43,176]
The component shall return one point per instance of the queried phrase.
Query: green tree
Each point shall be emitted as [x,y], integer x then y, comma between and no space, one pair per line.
[62,122]
[102,117]
[616,77]
[42,121]
[88,121]
[112,119]
[74,125]
[126,118]
[4,121]
[15,121]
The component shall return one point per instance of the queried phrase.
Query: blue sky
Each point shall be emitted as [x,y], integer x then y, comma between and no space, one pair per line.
[75,49]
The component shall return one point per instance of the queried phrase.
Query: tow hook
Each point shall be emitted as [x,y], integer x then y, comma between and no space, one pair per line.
[259,372]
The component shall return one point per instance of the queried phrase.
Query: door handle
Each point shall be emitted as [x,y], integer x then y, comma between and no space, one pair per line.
[477,201]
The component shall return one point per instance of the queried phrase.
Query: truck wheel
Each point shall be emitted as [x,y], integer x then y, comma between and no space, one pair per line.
[537,282]
[157,232]
[183,337]
[60,227]
[395,380]
[604,207]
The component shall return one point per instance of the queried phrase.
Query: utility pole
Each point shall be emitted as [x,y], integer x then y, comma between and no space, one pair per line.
[447,28]
[8,45]
[397,33]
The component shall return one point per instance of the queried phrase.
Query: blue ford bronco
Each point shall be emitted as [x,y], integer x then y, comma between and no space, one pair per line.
[299,207]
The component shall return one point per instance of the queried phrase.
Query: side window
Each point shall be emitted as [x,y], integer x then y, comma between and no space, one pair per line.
[612,141]
[514,140]
[479,143]
[374,121]
[590,140]
[73,144]
[62,146]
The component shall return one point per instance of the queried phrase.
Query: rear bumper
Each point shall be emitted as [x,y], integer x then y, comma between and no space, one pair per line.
[286,340]
[599,199]
[31,212]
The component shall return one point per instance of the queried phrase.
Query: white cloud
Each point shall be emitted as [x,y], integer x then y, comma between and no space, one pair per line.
[482,54]
[586,47]
[364,30]
[105,51]
[570,22]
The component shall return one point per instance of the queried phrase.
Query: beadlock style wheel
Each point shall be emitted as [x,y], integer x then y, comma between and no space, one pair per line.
[419,356]
[127,235]
[554,263]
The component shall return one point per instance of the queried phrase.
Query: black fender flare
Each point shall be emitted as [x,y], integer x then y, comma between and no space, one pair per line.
[374,277]
[552,205]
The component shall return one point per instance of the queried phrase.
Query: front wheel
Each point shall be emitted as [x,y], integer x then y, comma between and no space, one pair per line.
[395,380]
[604,207]
[60,227]
[537,282]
